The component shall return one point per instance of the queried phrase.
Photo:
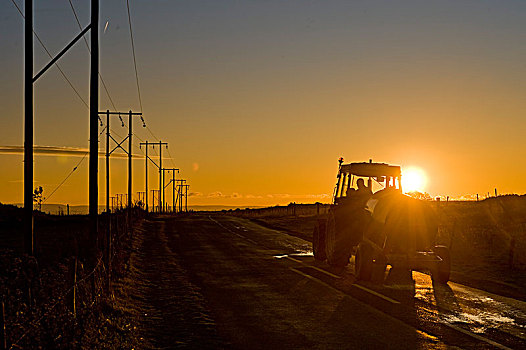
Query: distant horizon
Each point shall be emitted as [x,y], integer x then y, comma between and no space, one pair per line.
[464,198]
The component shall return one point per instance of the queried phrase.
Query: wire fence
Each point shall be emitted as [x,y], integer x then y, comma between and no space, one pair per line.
[48,306]
[293,209]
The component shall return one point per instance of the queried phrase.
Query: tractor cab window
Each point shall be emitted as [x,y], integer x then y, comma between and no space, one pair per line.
[370,177]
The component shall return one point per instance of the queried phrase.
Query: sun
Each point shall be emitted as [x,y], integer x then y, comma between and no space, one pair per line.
[413,179]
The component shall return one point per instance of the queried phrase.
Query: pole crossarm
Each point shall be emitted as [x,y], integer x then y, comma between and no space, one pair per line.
[128,152]
[122,114]
[61,53]
[170,169]
[159,167]
[172,181]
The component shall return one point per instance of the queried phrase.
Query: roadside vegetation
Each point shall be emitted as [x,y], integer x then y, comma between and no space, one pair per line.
[54,300]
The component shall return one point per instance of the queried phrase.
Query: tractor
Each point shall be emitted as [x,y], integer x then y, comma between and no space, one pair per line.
[373,220]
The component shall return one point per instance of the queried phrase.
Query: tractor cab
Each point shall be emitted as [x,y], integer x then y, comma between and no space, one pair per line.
[376,177]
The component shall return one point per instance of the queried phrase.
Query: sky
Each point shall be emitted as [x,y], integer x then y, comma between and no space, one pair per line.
[258,99]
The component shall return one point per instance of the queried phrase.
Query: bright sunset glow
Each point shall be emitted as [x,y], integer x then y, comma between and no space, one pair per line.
[413,179]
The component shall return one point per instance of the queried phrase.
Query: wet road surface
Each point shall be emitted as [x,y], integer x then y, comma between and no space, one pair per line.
[225,282]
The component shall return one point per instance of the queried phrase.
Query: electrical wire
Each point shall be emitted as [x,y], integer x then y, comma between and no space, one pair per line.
[103,84]
[67,177]
[102,80]
[133,52]
[72,171]
[89,50]
[50,56]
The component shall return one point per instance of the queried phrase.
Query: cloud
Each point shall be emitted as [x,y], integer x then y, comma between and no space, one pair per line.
[218,194]
[317,196]
[281,195]
[251,196]
[295,196]
[215,195]
[60,151]
[195,194]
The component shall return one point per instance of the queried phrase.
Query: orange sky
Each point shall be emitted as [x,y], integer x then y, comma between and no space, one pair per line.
[258,100]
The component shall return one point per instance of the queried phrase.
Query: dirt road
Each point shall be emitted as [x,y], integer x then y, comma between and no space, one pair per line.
[223,282]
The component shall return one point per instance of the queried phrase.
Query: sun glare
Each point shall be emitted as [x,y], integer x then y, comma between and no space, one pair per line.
[413,179]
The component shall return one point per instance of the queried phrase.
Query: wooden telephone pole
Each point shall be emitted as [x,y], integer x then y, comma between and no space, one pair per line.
[172,181]
[159,166]
[29,80]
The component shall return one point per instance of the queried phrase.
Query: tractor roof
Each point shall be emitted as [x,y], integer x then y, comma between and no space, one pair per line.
[371,169]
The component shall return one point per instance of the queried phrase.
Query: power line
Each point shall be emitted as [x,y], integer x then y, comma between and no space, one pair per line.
[50,56]
[133,52]
[100,75]
[67,177]
[72,171]
[169,154]
[89,50]
[136,71]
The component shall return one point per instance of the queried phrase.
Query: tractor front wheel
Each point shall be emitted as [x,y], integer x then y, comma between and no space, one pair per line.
[337,245]
[363,267]
[442,269]
[318,241]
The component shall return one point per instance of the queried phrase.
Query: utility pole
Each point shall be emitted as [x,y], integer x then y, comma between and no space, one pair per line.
[173,170]
[108,162]
[128,152]
[173,190]
[186,198]
[161,182]
[159,166]
[29,80]
[146,173]
[180,185]
[94,126]
[113,202]
[153,197]
[130,124]
[28,128]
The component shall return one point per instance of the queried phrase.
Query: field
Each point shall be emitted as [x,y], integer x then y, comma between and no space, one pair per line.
[487,241]
[487,238]
[59,299]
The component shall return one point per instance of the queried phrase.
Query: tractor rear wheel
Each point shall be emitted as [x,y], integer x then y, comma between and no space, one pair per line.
[318,241]
[337,245]
[442,269]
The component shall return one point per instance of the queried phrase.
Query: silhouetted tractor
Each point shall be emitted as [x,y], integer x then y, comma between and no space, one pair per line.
[380,229]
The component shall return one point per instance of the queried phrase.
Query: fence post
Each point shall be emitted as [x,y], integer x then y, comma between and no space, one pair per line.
[3,340]
[73,293]
[110,237]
